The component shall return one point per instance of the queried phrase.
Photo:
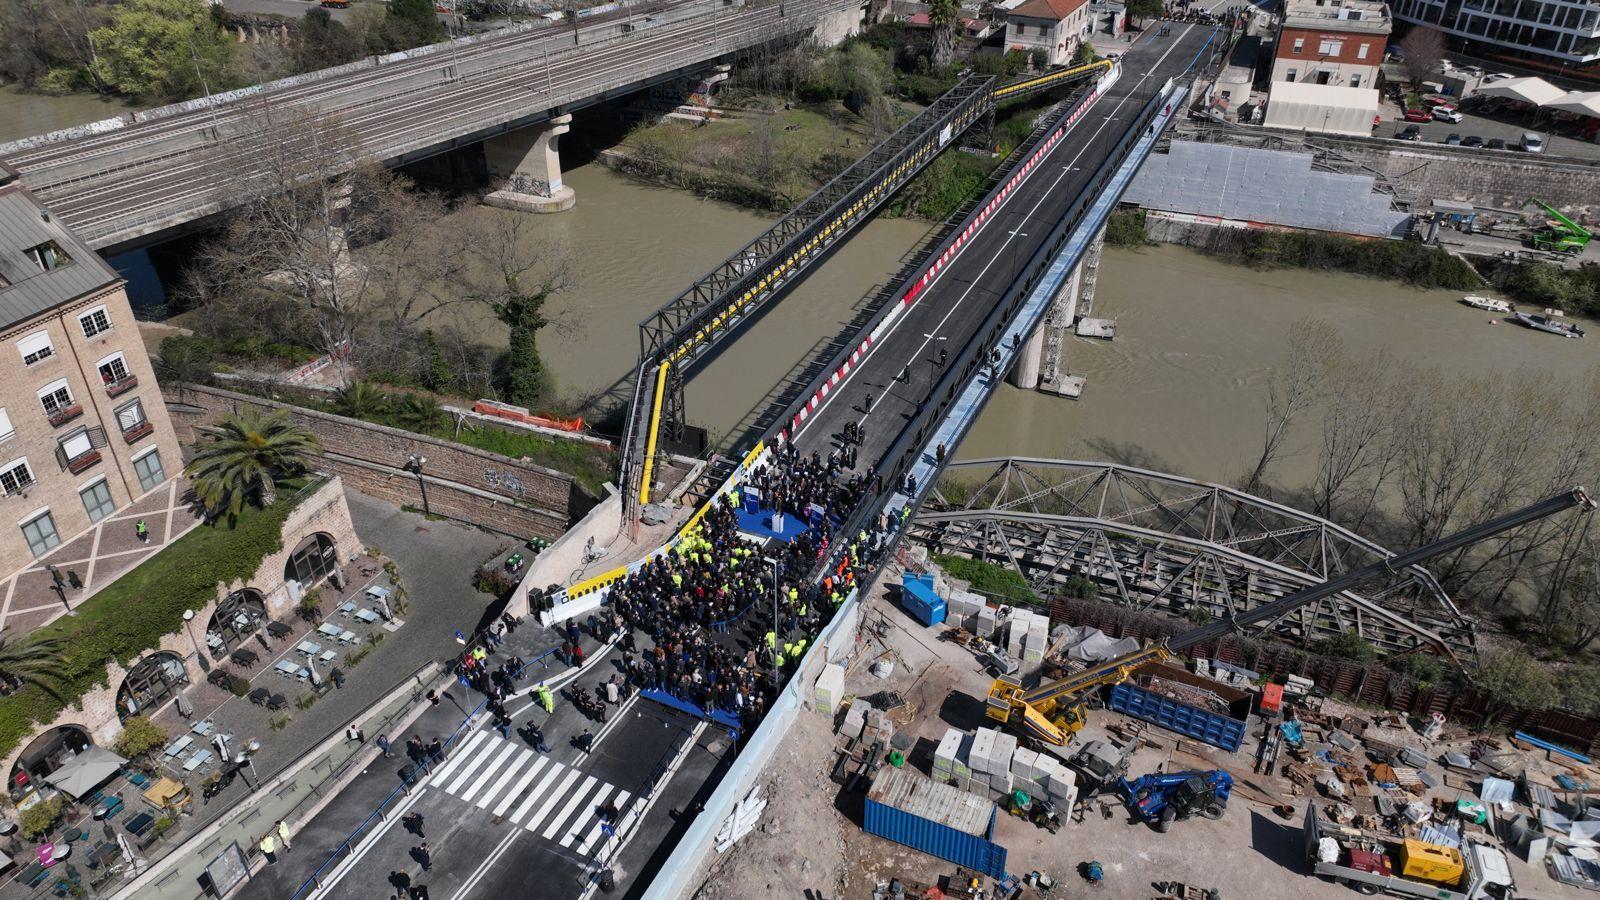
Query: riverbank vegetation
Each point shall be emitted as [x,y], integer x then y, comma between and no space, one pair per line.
[1407,261]
[171,50]
[1575,290]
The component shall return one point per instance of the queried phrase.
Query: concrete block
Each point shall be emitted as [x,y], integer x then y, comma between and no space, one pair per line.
[1023,762]
[1000,782]
[988,621]
[944,756]
[855,719]
[962,766]
[830,687]
[1005,746]
[980,753]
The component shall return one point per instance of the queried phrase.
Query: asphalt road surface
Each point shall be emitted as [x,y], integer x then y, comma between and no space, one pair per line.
[947,314]
[1486,128]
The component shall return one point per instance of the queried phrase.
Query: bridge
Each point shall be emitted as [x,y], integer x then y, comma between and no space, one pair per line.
[124,182]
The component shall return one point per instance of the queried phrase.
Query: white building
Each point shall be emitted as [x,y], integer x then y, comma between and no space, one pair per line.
[1052,26]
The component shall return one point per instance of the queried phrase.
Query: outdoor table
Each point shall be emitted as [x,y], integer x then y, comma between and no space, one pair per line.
[139,824]
[287,668]
[276,701]
[367,616]
[347,608]
[347,637]
[200,758]
[203,728]
[178,746]
[259,696]
[378,593]
[72,834]
[244,657]
[278,629]
[32,874]
[328,656]
[164,792]
[308,648]
[329,629]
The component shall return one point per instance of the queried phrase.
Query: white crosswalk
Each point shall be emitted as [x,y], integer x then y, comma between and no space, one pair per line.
[557,802]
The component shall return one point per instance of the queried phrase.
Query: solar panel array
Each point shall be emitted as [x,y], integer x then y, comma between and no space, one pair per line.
[1277,187]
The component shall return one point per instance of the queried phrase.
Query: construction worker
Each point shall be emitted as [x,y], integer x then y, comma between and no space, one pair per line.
[545,698]
[269,848]
[142,531]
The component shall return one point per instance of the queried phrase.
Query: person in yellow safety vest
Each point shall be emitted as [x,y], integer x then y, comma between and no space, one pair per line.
[780,660]
[677,580]
[799,648]
[802,611]
[772,640]
[788,648]
[547,699]
[269,845]
[905,513]
[836,598]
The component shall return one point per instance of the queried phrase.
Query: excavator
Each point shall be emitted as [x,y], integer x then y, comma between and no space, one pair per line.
[1559,234]
[1054,711]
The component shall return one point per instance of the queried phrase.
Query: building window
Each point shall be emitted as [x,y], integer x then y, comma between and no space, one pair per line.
[1299,45]
[130,416]
[41,534]
[49,256]
[1355,81]
[55,398]
[1330,47]
[95,321]
[1361,52]
[1289,76]
[148,468]
[6,431]
[97,500]
[113,369]
[76,444]
[35,347]
[15,476]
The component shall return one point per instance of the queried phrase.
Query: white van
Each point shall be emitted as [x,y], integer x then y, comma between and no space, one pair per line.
[1532,142]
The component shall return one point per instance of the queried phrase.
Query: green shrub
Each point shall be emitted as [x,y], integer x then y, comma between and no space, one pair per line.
[139,736]
[131,615]
[1125,228]
[1348,645]
[38,819]
[161,825]
[240,687]
[279,721]
[988,578]
[1425,668]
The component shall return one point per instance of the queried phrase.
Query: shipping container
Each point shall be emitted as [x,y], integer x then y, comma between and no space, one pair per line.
[938,819]
[1202,725]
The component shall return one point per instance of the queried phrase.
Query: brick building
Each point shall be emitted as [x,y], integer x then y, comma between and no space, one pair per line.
[83,430]
[1333,42]
[1052,27]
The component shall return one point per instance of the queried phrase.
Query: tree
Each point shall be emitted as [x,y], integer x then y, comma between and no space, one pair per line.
[1511,678]
[47,43]
[439,374]
[1357,434]
[164,49]
[359,399]
[186,358]
[1143,9]
[411,23]
[1421,52]
[139,736]
[322,42]
[419,413]
[37,820]
[34,662]
[1311,341]
[513,276]
[1084,54]
[945,17]
[245,454]
[1579,687]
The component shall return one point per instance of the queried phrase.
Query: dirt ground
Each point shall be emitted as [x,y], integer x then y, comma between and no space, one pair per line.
[811,843]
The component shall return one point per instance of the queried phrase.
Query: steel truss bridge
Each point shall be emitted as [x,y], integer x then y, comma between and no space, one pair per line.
[689,327]
[1164,543]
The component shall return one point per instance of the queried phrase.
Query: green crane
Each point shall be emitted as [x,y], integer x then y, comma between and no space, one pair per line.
[1559,232]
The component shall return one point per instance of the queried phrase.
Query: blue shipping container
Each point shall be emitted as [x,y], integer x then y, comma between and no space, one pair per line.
[916,594]
[1202,725]
[937,819]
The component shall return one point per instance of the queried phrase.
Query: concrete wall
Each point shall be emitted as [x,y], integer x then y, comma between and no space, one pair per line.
[484,489]
[324,511]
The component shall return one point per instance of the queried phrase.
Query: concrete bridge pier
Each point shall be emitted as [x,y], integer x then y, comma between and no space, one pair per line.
[528,168]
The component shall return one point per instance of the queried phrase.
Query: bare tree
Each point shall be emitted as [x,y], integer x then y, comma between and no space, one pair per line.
[1354,458]
[1311,342]
[1421,51]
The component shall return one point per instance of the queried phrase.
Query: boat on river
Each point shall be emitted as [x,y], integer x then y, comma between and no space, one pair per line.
[1548,323]
[1492,304]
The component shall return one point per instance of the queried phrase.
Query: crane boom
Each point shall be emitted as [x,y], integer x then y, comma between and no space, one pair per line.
[1573,227]
[1035,710]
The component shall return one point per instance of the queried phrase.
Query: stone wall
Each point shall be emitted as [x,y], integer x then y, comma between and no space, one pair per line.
[324,511]
[463,483]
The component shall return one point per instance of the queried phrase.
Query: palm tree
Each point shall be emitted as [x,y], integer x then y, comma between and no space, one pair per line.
[360,400]
[36,662]
[419,412]
[245,453]
[945,17]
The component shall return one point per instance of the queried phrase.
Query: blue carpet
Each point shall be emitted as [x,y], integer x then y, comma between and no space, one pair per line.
[727,720]
[755,523]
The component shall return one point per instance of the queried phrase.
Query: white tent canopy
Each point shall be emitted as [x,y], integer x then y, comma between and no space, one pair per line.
[85,772]
[1582,102]
[1536,91]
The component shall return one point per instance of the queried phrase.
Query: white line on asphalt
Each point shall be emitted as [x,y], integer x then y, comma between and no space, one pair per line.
[995,257]
[516,790]
[625,828]
[343,869]
[594,807]
[512,762]
[576,803]
[616,717]
[460,753]
[474,765]
[532,824]
[471,883]
[538,791]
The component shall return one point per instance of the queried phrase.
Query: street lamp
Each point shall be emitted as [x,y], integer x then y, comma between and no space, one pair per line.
[188,627]
[776,567]
[414,464]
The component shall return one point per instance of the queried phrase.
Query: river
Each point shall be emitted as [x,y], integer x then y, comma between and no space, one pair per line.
[24,115]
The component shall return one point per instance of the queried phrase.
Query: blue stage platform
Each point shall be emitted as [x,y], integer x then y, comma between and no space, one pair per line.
[726,720]
[755,523]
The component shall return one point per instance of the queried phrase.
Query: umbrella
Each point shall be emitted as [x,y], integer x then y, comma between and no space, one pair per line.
[85,772]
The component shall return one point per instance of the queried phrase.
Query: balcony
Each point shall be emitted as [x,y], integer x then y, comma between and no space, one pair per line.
[141,430]
[65,414]
[122,385]
[83,462]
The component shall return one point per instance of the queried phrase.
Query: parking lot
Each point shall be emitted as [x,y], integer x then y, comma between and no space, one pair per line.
[1506,129]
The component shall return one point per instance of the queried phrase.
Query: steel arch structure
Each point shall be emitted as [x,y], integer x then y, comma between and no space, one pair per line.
[1160,542]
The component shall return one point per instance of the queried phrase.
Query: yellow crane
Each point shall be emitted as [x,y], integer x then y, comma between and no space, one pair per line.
[1053,712]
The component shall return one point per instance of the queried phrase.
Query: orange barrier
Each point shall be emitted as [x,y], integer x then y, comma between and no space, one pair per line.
[519,414]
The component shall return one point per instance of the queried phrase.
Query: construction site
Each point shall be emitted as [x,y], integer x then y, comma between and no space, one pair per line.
[974,749]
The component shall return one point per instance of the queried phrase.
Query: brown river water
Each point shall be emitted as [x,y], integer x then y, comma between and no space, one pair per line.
[1181,388]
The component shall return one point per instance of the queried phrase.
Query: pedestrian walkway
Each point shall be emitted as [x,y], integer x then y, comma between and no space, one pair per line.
[513,783]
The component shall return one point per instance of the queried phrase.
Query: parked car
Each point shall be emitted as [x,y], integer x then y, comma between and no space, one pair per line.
[1472,140]
[1436,102]
[1495,144]
[1453,140]
[1532,142]
[1417,114]
[1447,114]
[1409,133]
[1497,76]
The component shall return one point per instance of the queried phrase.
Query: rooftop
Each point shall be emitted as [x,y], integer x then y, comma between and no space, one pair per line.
[1370,16]
[42,263]
[1046,9]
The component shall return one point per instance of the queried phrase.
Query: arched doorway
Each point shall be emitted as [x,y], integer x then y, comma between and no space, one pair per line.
[238,616]
[151,682]
[312,560]
[47,753]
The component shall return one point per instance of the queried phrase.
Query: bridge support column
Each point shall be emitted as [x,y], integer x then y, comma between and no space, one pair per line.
[527,167]
[1025,371]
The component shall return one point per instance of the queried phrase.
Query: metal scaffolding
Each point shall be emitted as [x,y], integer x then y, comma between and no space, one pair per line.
[1165,543]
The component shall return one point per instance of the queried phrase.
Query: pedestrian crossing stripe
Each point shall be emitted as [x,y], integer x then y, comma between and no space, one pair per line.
[558,802]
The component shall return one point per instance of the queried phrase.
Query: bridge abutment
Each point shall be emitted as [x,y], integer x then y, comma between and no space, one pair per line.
[527,167]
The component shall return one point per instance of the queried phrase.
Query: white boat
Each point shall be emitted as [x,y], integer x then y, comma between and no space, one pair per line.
[1492,304]
[1549,323]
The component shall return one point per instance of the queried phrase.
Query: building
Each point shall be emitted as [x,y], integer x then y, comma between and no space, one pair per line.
[83,430]
[1544,32]
[1053,27]
[1332,42]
